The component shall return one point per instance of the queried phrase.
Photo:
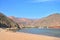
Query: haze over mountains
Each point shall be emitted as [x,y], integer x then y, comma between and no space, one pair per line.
[51,21]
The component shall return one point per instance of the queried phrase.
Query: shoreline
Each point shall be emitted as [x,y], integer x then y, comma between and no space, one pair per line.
[24,36]
[38,34]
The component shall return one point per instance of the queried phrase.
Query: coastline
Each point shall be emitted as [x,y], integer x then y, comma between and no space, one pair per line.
[24,36]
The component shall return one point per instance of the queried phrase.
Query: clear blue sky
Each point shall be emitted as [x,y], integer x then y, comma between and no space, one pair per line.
[29,8]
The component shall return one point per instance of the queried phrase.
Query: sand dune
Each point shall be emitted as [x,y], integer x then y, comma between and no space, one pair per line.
[24,36]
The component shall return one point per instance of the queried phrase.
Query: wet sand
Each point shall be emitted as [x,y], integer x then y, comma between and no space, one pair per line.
[24,36]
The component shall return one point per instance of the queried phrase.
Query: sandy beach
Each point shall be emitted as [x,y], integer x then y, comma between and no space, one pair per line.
[24,36]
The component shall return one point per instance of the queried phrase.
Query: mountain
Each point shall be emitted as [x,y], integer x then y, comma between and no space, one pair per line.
[23,22]
[5,22]
[51,21]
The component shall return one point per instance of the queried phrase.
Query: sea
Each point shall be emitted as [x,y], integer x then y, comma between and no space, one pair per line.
[39,31]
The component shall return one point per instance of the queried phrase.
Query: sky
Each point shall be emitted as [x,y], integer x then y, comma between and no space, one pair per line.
[29,8]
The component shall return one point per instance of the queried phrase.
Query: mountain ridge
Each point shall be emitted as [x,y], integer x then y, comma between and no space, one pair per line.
[50,21]
[6,22]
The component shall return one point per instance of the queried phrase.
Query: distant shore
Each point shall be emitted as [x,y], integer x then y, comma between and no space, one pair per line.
[23,36]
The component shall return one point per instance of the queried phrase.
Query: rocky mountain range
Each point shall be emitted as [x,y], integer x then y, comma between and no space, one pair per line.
[51,21]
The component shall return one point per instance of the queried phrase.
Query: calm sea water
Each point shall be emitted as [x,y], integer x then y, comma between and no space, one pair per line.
[48,32]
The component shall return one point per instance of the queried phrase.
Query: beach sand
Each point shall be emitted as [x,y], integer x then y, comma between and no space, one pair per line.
[24,36]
